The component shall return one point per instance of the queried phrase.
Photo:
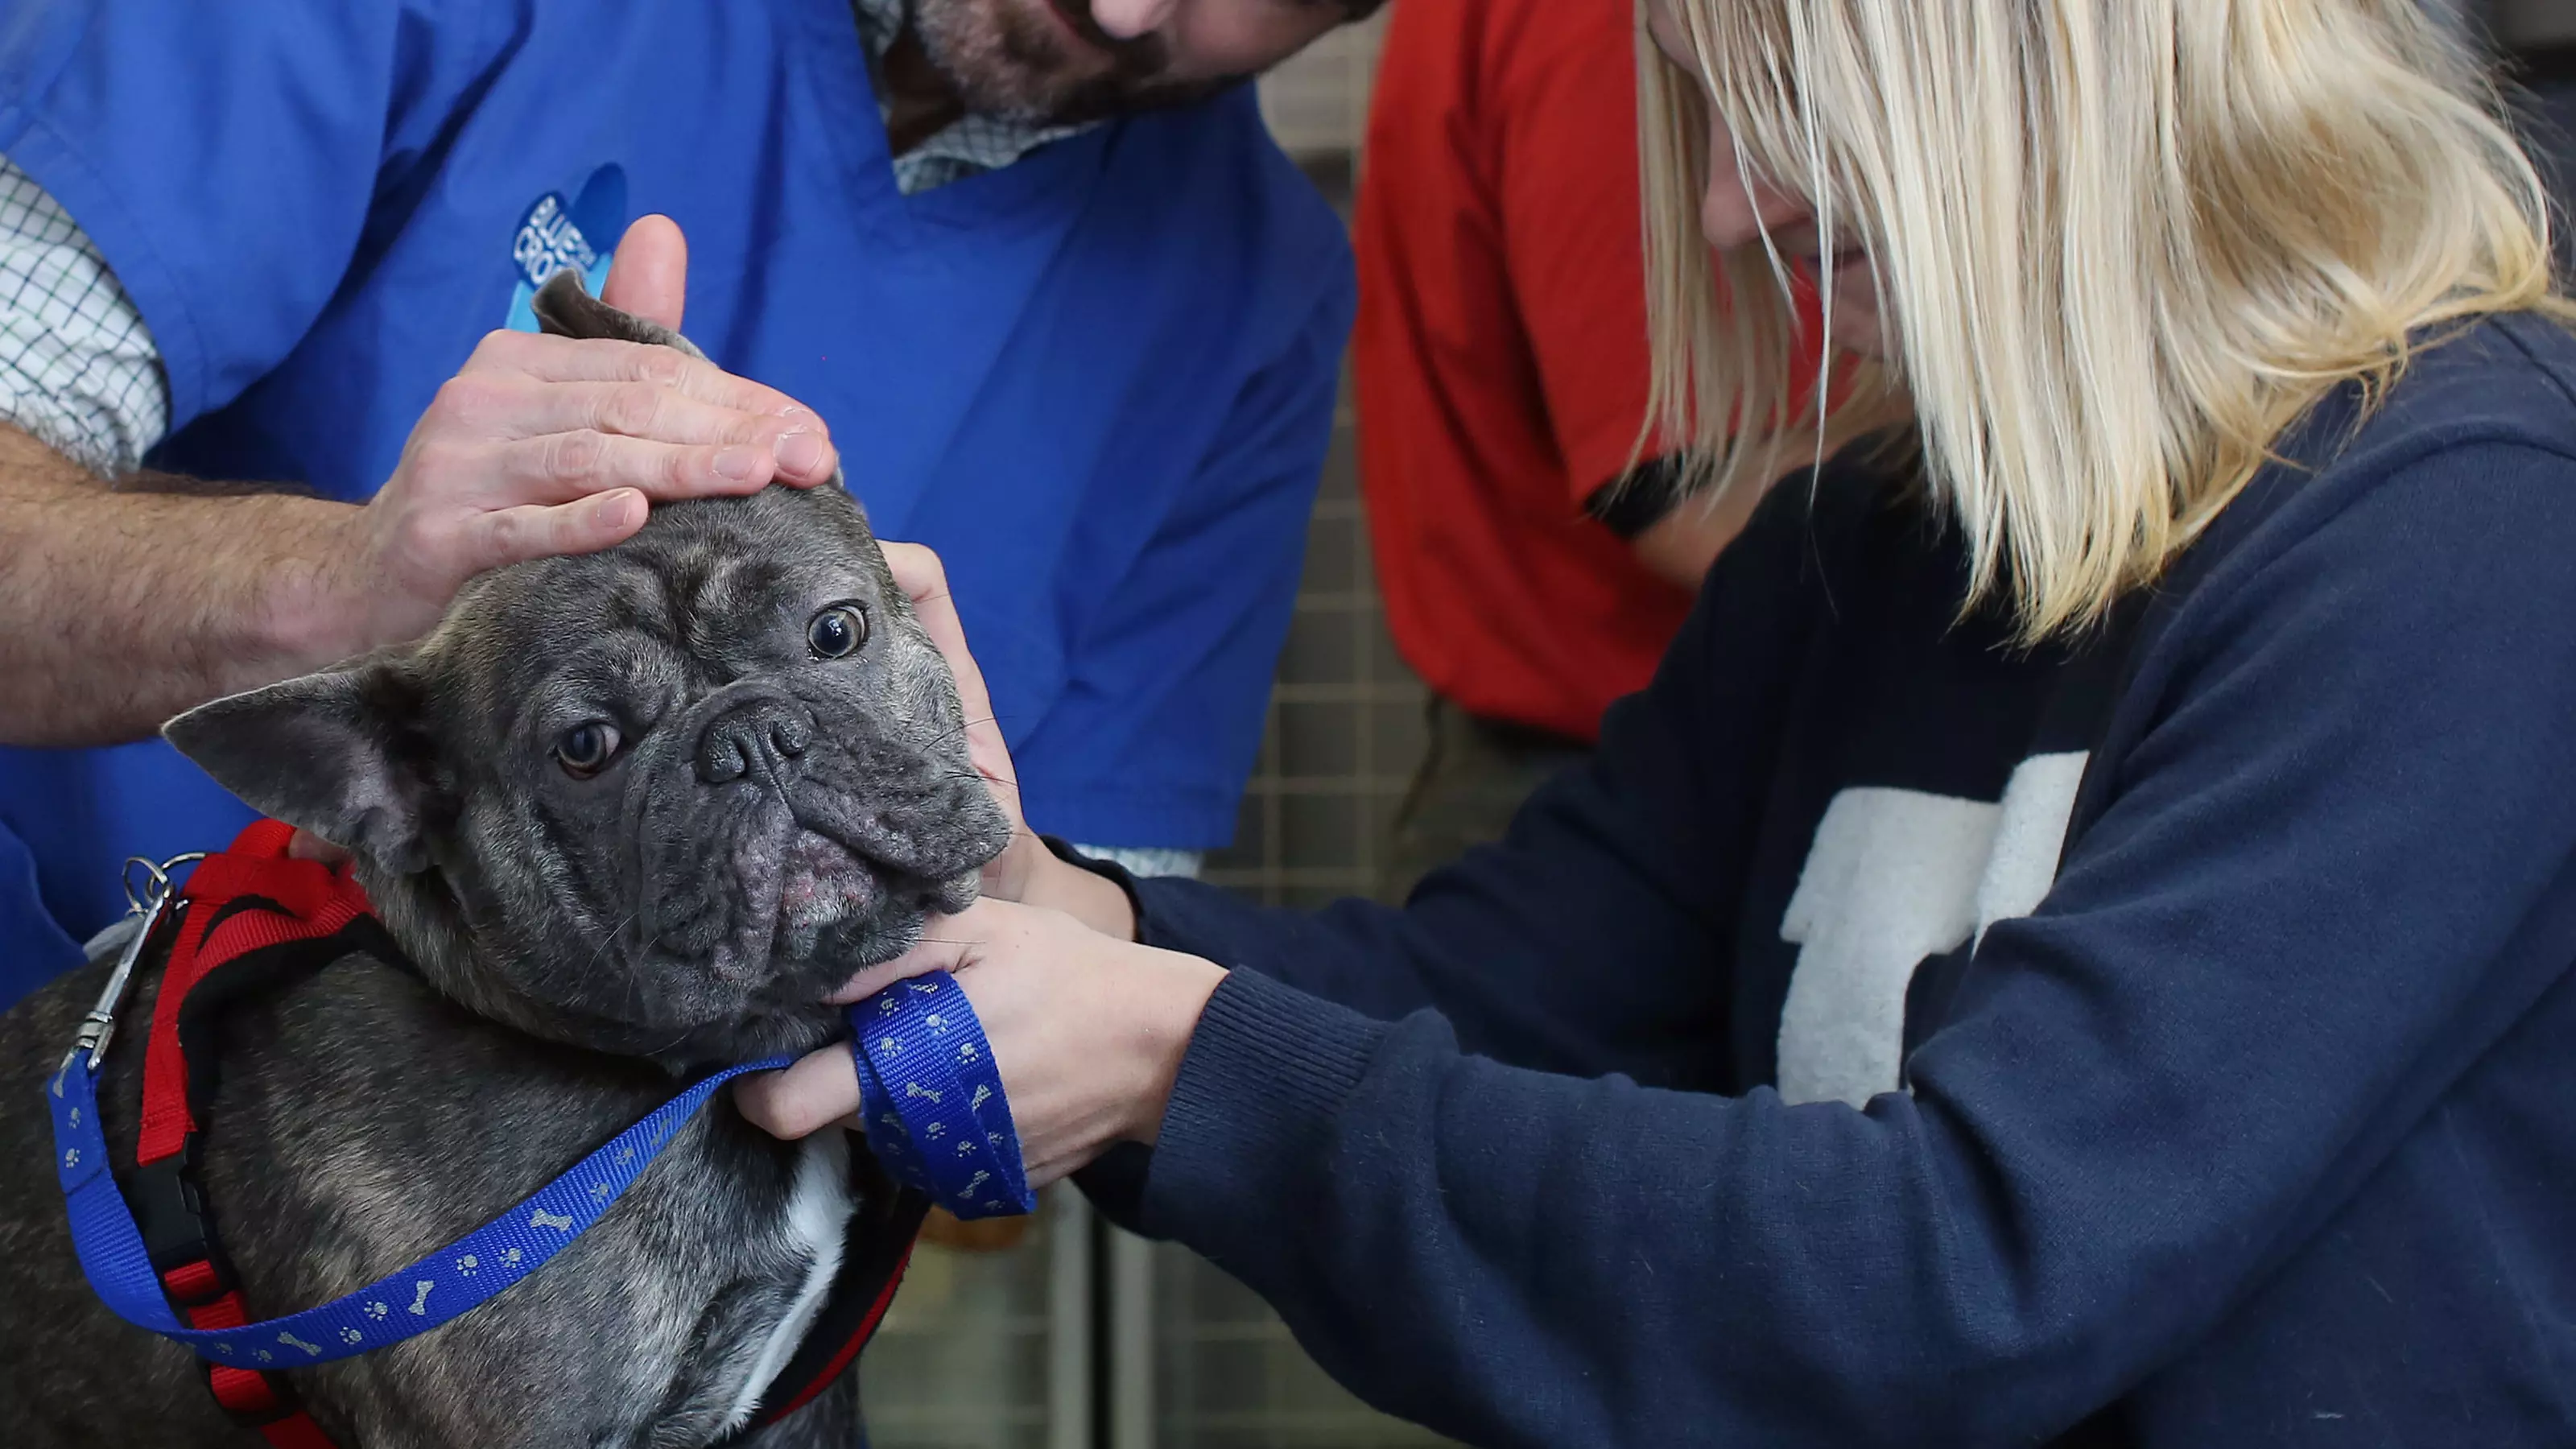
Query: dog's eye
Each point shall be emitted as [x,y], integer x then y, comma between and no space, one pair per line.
[836,631]
[586,749]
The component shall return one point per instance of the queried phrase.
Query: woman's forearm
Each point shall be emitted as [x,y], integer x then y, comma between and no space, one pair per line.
[1087,896]
[1514,1257]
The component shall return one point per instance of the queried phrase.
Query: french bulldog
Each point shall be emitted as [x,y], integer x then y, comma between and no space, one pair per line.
[631,816]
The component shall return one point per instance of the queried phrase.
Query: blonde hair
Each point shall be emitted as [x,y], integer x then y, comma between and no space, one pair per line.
[2122,245]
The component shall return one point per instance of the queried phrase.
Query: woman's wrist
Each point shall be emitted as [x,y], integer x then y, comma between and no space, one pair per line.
[1040,878]
[1167,1021]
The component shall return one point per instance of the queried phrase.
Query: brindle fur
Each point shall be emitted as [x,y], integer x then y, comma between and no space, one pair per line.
[581,946]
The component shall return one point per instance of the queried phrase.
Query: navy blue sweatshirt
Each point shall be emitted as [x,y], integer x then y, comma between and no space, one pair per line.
[1777,1083]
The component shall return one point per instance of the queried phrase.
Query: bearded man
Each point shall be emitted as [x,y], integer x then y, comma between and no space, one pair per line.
[1031,268]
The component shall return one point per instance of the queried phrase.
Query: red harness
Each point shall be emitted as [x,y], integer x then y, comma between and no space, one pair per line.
[254,921]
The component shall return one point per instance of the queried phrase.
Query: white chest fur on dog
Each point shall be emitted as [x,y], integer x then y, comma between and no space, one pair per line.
[816,1224]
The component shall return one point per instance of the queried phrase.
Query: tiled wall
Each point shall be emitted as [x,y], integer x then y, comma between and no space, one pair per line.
[963,1359]
[1317,104]
[1228,1376]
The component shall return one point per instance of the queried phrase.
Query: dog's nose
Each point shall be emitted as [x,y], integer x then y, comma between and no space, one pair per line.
[757,738]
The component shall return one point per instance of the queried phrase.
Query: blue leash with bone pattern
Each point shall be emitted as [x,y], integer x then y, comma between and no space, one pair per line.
[945,1130]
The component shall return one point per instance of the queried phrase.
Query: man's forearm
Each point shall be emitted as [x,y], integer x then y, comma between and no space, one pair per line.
[121,606]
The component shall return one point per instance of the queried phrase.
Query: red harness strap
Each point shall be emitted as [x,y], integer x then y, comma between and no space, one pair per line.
[247,898]
[242,906]
[254,921]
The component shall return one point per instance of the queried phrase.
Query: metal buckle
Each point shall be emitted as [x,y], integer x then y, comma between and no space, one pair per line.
[156,905]
[160,887]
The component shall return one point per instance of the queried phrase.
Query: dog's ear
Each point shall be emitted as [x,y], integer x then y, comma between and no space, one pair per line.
[565,308]
[340,754]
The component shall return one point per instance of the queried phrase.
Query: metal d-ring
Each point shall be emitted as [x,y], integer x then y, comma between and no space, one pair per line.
[153,905]
[159,877]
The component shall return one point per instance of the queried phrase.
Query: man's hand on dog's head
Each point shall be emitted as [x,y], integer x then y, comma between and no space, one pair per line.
[550,445]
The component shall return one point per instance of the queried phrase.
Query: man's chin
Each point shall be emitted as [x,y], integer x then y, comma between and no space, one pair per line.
[1124,98]
[1016,68]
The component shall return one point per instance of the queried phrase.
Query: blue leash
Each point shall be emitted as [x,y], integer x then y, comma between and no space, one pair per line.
[450,1282]
[921,1033]
[930,1099]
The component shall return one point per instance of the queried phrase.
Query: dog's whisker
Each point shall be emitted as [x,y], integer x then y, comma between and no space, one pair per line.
[582,977]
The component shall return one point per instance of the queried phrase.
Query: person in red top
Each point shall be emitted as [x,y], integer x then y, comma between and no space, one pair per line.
[1532,563]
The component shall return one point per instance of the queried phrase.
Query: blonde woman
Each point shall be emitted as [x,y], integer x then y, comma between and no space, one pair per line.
[2075,945]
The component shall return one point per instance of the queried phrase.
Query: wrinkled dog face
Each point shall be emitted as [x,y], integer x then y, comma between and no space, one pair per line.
[659,800]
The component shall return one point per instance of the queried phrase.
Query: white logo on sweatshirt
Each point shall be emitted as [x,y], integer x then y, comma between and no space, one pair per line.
[1895,876]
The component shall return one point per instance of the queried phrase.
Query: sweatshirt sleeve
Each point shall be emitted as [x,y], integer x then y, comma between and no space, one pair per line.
[2334,870]
[1593,938]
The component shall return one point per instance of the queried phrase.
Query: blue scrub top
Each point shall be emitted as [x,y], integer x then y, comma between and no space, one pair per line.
[1099,381]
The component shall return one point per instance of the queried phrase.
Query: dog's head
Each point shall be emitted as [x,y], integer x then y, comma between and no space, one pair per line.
[659,800]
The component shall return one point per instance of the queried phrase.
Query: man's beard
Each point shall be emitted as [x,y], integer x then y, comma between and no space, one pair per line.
[1012,65]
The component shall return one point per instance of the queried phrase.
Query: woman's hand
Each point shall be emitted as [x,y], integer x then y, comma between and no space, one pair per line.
[1026,870]
[1087,1030]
